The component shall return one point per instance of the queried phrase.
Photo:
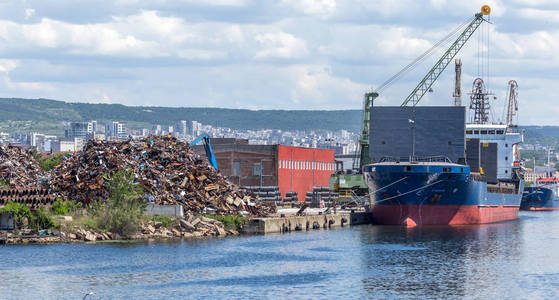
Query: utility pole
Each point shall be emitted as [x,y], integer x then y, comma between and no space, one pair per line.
[458,82]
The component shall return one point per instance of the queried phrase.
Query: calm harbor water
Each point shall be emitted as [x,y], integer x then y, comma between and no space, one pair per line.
[518,259]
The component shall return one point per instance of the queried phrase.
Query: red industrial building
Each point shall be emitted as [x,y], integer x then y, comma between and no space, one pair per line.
[301,169]
[291,169]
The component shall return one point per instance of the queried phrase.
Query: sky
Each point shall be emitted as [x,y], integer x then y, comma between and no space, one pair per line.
[283,54]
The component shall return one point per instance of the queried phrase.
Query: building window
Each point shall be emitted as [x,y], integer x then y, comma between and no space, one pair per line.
[483,132]
[469,131]
[236,168]
[257,169]
[476,131]
[500,131]
[506,158]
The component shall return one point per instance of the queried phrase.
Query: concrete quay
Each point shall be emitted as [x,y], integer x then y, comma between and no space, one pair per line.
[304,223]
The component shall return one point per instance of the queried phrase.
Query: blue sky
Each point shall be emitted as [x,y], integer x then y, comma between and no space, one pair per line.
[284,54]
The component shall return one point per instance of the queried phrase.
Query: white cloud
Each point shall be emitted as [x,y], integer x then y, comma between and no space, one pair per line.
[29,12]
[6,65]
[263,54]
[312,7]
[280,45]
[539,14]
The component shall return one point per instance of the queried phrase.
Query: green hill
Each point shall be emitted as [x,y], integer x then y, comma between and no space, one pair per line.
[49,116]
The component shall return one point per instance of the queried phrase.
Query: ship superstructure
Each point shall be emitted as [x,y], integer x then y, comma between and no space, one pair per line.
[506,142]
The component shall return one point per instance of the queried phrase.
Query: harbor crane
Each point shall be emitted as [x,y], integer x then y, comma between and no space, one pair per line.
[341,182]
[427,82]
[512,107]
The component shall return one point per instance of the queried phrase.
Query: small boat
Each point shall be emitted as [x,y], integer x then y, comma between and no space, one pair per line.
[543,196]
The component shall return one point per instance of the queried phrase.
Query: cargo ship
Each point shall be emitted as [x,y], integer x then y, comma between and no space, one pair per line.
[543,196]
[479,183]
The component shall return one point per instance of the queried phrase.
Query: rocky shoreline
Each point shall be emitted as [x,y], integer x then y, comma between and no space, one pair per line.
[189,227]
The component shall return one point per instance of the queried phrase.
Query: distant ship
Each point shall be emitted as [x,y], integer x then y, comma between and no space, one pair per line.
[436,191]
[543,196]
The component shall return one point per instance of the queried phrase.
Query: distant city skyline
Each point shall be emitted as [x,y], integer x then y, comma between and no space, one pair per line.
[77,134]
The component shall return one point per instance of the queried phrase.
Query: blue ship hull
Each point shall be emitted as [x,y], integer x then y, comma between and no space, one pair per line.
[438,194]
[539,198]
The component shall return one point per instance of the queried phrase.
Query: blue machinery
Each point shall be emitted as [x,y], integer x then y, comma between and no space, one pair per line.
[208,147]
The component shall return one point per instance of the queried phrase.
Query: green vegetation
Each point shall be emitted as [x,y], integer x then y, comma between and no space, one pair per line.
[21,213]
[166,221]
[123,212]
[41,220]
[229,221]
[48,116]
[4,184]
[539,155]
[60,207]
[47,163]
[50,162]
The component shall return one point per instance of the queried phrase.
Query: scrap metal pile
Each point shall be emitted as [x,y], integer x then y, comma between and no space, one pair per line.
[167,169]
[18,168]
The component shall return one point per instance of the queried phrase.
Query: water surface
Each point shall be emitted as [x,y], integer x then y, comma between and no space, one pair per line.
[518,259]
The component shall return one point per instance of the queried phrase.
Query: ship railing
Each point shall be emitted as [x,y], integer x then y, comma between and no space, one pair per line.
[413,159]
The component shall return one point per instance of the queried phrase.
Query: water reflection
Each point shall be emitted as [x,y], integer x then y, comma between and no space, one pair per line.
[440,262]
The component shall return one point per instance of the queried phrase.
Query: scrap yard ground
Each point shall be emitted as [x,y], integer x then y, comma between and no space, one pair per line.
[164,172]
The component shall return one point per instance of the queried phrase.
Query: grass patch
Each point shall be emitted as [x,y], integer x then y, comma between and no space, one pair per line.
[49,162]
[229,221]
[62,208]
[86,222]
[123,211]
[167,222]
[4,184]
[42,220]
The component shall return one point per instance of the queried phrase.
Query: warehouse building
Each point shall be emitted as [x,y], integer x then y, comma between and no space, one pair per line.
[290,169]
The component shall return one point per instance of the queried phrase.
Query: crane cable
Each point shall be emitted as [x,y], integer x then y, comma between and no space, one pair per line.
[421,58]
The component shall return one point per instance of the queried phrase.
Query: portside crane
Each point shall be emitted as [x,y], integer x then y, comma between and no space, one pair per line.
[208,147]
[427,82]
[354,183]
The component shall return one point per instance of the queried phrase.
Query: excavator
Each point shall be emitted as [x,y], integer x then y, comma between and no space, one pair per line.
[208,147]
[350,183]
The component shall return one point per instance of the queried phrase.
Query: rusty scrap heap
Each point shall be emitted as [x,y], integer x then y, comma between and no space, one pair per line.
[18,168]
[167,169]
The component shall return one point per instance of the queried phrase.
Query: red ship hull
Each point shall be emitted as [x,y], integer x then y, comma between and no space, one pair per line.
[413,214]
